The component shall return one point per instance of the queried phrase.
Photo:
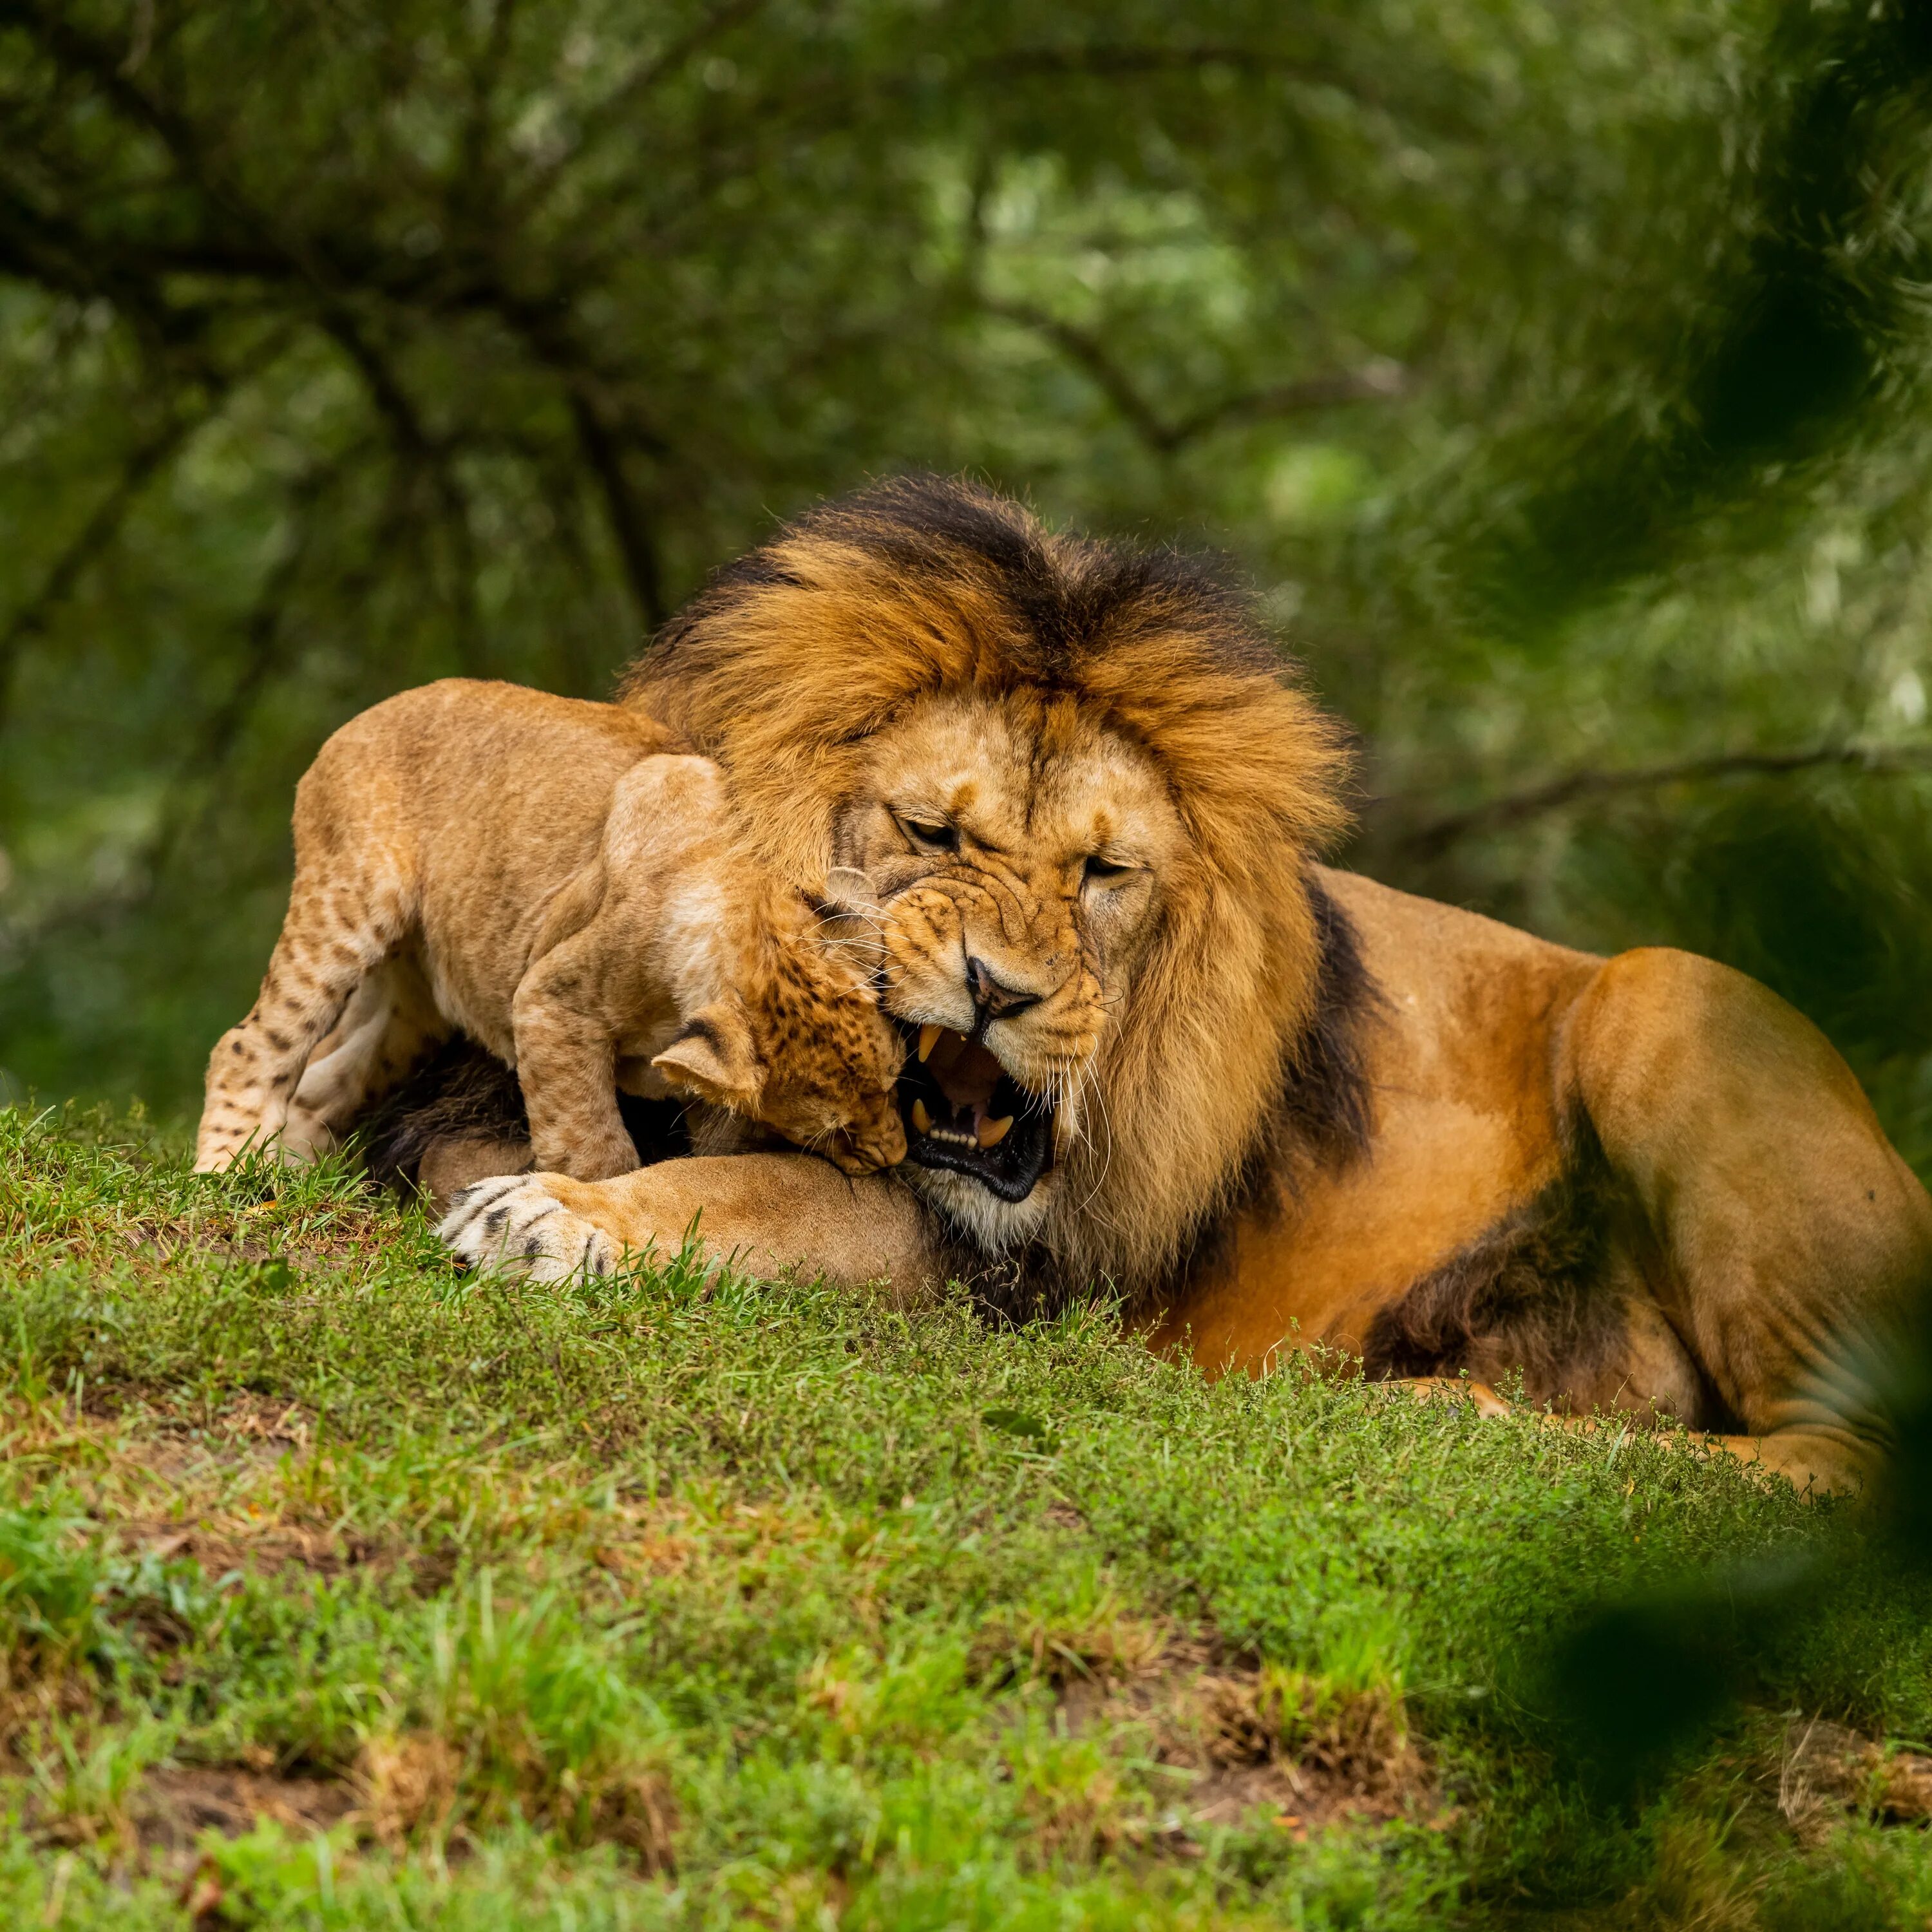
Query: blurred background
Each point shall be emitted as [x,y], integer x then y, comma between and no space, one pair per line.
[1557,369]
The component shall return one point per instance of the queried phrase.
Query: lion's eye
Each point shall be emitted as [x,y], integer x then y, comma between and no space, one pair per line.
[1099,871]
[930,835]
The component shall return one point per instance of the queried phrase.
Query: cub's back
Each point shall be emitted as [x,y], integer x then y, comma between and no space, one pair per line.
[467,805]
[474,786]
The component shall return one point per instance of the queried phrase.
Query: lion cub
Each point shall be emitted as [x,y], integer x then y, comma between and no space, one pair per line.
[549,877]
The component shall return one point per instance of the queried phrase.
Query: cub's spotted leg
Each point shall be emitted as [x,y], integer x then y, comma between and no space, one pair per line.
[335,1070]
[567,1065]
[336,931]
[390,1022]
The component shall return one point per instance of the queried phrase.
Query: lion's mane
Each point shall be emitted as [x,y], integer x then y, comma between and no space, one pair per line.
[793,656]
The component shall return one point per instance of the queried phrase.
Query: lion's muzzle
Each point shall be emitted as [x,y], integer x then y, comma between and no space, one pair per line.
[964,1112]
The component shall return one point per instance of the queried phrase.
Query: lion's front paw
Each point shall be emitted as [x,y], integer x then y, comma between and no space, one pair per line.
[516,1224]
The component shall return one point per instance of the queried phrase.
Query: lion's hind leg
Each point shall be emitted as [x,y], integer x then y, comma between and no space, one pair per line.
[1790,1240]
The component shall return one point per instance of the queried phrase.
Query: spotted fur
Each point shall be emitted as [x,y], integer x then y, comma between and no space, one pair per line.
[558,882]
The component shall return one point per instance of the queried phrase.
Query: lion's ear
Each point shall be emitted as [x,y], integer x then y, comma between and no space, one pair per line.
[713,1058]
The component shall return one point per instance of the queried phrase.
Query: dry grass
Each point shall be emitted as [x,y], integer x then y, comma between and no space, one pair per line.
[1827,1769]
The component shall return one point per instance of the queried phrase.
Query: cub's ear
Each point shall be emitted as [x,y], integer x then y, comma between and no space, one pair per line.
[713,1059]
[843,919]
[851,890]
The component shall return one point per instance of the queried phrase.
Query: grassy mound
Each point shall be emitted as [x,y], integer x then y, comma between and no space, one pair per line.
[340,1589]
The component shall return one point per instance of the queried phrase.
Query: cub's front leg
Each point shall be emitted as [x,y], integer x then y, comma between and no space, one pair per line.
[567,1066]
[763,1212]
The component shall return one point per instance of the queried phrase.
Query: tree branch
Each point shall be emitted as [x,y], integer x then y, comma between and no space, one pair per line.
[262,249]
[193,791]
[473,190]
[1128,61]
[191,784]
[632,89]
[1124,60]
[1091,355]
[628,524]
[1435,836]
[1374,380]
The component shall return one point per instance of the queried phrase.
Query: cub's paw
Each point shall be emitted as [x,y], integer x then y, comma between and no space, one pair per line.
[515,1224]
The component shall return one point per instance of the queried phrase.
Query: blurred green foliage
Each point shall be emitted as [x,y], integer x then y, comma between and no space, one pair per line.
[1557,368]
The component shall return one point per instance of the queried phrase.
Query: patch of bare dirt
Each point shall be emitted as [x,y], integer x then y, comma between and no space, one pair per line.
[1826,1770]
[221,1548]
[1107,1645]
[665,1554]
[264,1232]
[268,1420]
[175,1806]
[250,1432]
[1260,1737]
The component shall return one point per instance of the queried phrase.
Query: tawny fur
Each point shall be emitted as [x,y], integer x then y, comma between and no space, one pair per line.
[855,635]
[552,879]
[927,655]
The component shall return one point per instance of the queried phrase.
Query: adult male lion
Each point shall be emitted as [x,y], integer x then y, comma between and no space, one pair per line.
[1073,798]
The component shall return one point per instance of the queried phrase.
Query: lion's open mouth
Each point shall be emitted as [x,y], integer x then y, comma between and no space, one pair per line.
[964,1112]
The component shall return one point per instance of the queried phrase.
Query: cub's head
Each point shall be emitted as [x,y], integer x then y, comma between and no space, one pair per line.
[1066,795]
[802,1048]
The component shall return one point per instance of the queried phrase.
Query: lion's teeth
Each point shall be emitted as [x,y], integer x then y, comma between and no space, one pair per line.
[921,1119]
[990,1133]
[929,1038]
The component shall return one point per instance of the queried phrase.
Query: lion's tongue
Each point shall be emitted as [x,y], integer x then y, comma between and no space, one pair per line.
[966,1071]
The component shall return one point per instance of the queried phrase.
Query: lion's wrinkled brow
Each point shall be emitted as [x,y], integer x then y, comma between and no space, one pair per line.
[1039,798]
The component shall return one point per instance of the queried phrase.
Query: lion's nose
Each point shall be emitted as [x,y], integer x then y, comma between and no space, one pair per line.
[996,1000]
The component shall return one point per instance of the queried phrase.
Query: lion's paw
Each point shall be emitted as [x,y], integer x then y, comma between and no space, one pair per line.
[515,1225]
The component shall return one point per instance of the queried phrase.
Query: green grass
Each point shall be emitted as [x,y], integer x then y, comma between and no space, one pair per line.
[339,1589]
